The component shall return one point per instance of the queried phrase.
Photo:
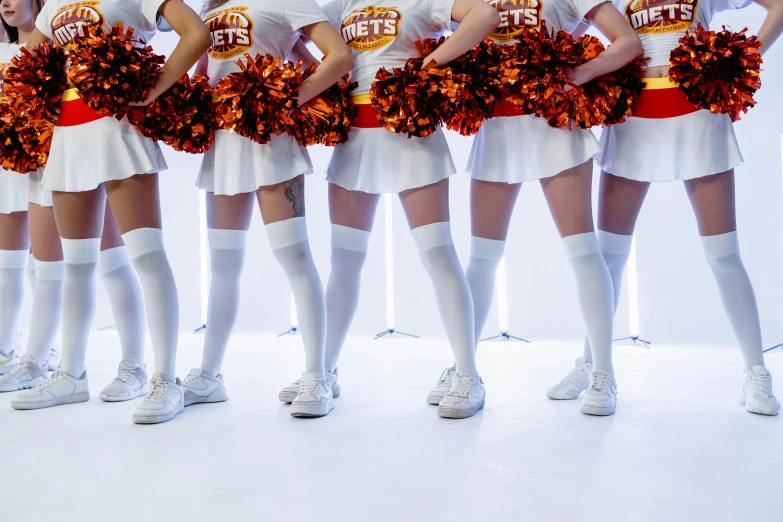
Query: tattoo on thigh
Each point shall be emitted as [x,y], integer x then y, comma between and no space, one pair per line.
[294,192]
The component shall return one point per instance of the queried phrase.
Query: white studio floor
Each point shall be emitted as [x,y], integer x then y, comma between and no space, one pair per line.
[680,447]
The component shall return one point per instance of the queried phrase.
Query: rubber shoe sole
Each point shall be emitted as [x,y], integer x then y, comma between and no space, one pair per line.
[25,385]
[599,411]
[290,396]
[310,412]
[435,399]
[760,409]
[564,397]
[216,396]
[107,398]
[71,399]
[158,419]
[455,413]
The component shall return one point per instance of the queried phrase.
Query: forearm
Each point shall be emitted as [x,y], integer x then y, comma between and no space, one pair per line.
[333,68]
[476,26]
[189,50]
[621,52]
[771,28]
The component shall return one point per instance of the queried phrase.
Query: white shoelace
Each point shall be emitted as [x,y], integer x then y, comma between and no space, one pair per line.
[127,375]
[191,378]
[762,383]
[308,387]
[20,369]
[156,390]
[446,376]
[58,376]
[461,385]
[599,381]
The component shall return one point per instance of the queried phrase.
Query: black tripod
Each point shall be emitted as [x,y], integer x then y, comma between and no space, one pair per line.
[773,348]
[391,332]
[635,340]
[505,336]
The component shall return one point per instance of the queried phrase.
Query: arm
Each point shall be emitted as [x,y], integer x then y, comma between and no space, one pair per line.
[202,65]
[773,23]
[477,19]
[36,39]
[194,40]
[337,61]
[300,52]
[625,44]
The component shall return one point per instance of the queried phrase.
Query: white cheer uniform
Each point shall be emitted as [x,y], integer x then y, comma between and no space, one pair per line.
[521,148]
[235,164]
[675,140]
[383,33]
[88,150]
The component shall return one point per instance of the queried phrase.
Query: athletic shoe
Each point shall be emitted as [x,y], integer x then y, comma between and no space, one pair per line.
[131,382]
[8,362]
[443,387]
[465,398]
[600,398]
[200,388]
[573,384]
[26,375]
[289,393]
[315,397]
[164,401]
[756,392]
[54,358]
[61,388]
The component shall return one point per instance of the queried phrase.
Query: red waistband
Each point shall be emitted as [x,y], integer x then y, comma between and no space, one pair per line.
[366,118]
[505,108]
[76,112]
[662,103]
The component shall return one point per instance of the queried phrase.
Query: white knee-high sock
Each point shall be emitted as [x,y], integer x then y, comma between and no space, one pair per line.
[125,296]
[31,271]
[292,250]
[81,264]
[146,250]
[47,309]
[227,255]
[12,267]
[455,303]
[349,252]
[736,294]
[596,296]
[485,256]
[615,248]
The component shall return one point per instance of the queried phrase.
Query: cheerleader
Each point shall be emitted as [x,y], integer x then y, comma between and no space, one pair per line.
[45,267]
[375,161]
[512,149]
[92,159]
[669,139]
[236,171]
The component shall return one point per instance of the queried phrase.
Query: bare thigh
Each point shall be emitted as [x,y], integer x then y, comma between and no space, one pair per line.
[619,203]
[491,207]
[282,201]
[426,205]
[569,195]
[230,212]
[712,199]
[352,208]
[14,233]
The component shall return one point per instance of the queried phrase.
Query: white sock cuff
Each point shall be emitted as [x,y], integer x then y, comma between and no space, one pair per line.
[490,249]
[14,259]
[31,262]
[112,259]
[432,236]
[143,241]
[81,251]
[348,238]
[614,244]
[226,239]
[580,245]
[49,270]
[721,245]
[286,233]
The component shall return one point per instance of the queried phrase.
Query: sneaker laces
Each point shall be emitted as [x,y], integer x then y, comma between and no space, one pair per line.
[127,375]
[575,375]
[447,375]
[308,387]
[156,389]
[762,384]
[58,376]
[21,368]
[461,385]
[599,381]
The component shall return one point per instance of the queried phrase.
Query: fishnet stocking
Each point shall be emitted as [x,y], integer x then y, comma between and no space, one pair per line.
[491,207]
[619,203]
[135,202]
[230,212]
[14,234]
[569,195]
[44,238]
[352,208]
[282,201]
[79,215]
[712,199]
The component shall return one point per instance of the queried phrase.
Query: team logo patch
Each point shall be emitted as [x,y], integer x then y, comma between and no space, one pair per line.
[660,16]
[516,16]
[232,32]
[72,22]
[371,27]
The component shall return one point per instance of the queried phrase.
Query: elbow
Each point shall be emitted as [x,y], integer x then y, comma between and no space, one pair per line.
[345,59]
[201,39]
[492,18]
[635,46]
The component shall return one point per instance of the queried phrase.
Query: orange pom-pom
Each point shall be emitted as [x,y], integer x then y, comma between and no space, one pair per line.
[718,71]
[111,71]
[628,81]
[23,148]
[182,117]
[34,83]
[257,101]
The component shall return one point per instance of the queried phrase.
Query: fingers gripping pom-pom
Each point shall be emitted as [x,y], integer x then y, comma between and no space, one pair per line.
[628,84]
[257,101]
[718,71]
[23,147]
[34,83]
[111,71]
[182,117]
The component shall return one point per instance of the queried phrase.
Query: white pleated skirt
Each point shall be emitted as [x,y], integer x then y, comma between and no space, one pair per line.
[36,193]
[669,149]
[13,192]
[237,165]
[517,149]
[85,156]
[377,161]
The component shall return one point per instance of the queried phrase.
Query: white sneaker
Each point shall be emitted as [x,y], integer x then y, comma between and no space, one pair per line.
[600,398]
[443,387]
[289,393]
[54,358]
[131,382]
[164,401]
[756,392]
[201,388]
[465,398]
[61,388]
[572,384]
[8,362]
[26,375]
[315,397]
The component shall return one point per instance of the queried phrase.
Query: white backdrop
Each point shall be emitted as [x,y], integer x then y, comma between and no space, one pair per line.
[677,298]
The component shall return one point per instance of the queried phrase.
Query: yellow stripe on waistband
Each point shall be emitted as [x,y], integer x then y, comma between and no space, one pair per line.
[658,83]
[71,94]
[362,99]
